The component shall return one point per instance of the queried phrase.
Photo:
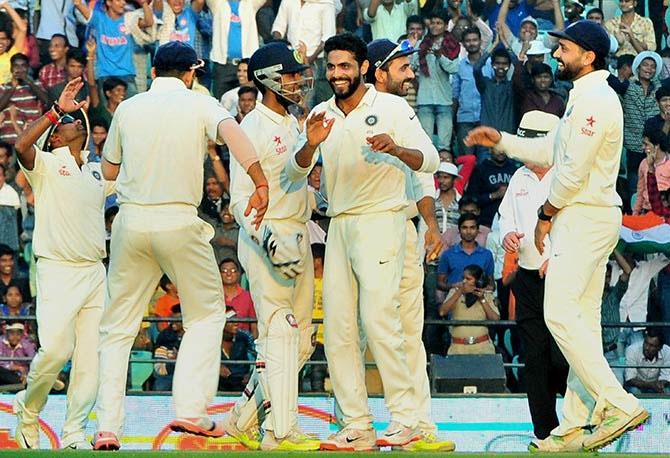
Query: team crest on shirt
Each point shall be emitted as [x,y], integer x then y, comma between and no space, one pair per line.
[123,29]
[279,147]
[183,22]
[63,171]
[371,120]
[96,175]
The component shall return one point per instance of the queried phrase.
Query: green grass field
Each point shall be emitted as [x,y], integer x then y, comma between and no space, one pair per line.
[182,454]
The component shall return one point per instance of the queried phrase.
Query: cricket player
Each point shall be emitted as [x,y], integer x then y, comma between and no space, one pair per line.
[155,150]
[583,216]
[546,370]
[390,72]
[69,243]
[276,256]
[363,137]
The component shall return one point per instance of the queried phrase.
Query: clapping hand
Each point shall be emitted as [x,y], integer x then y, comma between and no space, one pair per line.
[318,128]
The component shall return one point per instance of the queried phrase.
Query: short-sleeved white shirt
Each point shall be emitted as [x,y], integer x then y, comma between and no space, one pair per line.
[274,137]
[159,138]
[69,207]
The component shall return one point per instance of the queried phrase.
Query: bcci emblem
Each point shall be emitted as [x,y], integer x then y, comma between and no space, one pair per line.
[96,175]
[371,120]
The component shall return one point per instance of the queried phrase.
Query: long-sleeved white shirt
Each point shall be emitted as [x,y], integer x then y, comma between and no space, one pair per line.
[518,213]
[221,14]
[311,22]
[356,179]
[273,137]
[585,148]
[633,305]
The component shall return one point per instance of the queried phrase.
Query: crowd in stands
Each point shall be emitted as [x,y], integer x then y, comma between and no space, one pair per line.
[478,62]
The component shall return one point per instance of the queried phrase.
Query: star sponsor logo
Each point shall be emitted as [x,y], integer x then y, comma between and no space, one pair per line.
[590,121]
[63,171]
[279,147]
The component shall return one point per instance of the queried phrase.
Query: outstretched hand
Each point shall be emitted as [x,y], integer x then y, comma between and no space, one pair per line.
[318,128]
[259,202]
[487,137]
[67,100]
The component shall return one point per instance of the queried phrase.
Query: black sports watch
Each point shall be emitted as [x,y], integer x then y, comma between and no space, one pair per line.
[541,215]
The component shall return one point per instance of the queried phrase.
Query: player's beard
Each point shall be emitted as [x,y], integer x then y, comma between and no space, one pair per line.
[568,73]
[398,88]
[353,85]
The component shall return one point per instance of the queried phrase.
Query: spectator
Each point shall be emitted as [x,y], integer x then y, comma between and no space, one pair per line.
[466,97]
[13,304]
[229,100]
[57,17]
[528,30]
[75,63]
[466,165]
[21,100]
[414,34]
[541,96]
[115,42]
[15,344]
[610,306]
[656,147]
[237,297]
[389,21]
[307,25]
[54,72]
[236,345]
[489,184]
[633,32]
[167,347]
[573,10]
[9,205]
[451,237]
[650,353]
[234,36]
[533,52]
[436,61]
[226,232]
[454,260]
[518,10]
[165,303]
[447,197]
[115,91]
[8,275]
[471,299]
[214,199]
[246,102]
[661,122]
[318,372]
[624,67]
[99,130]
[11,43]
[497,93]
[639,104]
[6,152]
[179,20]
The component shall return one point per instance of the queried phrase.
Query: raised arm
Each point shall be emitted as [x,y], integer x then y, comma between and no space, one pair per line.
[83,9]
[90,72]
[148,19]
[371,11]
[20,26]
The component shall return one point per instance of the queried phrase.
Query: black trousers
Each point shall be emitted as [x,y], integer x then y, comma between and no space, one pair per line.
[546,370]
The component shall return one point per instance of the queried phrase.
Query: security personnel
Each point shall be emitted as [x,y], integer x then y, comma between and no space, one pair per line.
[582,212]
[155,151]
[69,243]
[276,256]
[362,135]
[545,369]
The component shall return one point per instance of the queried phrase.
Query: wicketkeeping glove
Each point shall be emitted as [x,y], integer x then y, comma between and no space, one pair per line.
[285,252]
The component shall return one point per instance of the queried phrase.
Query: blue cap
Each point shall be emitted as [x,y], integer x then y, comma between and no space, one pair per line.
[588,34]
[379,52]
[176,55]
[275,54]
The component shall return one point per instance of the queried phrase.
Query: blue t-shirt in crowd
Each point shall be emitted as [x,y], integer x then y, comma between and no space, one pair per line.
[115,44]
[185,27]
[235,31]
[454,261]
[514,17]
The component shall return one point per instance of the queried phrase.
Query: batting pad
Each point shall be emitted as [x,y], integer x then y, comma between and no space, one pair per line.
[280,377]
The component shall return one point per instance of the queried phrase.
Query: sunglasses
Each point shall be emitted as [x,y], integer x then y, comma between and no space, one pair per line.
[403,47]
[66,119]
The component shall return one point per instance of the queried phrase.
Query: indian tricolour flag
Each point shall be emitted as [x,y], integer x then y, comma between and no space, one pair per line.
[644,234]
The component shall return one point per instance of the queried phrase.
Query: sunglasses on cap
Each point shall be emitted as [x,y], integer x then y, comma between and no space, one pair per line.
[403,47]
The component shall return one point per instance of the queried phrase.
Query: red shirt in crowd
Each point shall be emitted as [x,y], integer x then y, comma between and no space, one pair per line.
[243,305]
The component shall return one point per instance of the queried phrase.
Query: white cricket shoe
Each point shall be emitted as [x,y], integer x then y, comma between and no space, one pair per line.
[27,434]
[350,440]
[397,435]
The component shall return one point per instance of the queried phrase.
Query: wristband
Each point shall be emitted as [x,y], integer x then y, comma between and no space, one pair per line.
[263,185]
[58,109]
[51,116]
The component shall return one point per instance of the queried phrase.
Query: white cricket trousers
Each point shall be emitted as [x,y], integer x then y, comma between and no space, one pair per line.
[280,347]
[582,238]
[363,265]
[411,318]
[146,241]
[70,298]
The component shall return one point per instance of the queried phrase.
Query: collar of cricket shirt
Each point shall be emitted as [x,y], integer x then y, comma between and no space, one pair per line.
[165,84]
[588,81]
[273,115]
[368,99]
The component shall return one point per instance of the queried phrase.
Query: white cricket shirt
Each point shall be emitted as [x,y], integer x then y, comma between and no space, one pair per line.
[69,207]
[518,213]
[311,22]
[274,136]
[358,180]
[159,138]
[585,148]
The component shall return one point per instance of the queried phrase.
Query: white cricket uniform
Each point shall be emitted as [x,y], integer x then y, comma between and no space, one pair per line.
[283,307]
[585,150]
[365,249]
[69,243]
[158,139]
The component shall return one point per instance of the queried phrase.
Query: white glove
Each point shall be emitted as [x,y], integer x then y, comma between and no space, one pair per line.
[284,252]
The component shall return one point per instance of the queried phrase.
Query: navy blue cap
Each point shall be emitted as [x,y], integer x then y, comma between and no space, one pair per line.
[275,54]
[176,55]
[588,34]
[379,52]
